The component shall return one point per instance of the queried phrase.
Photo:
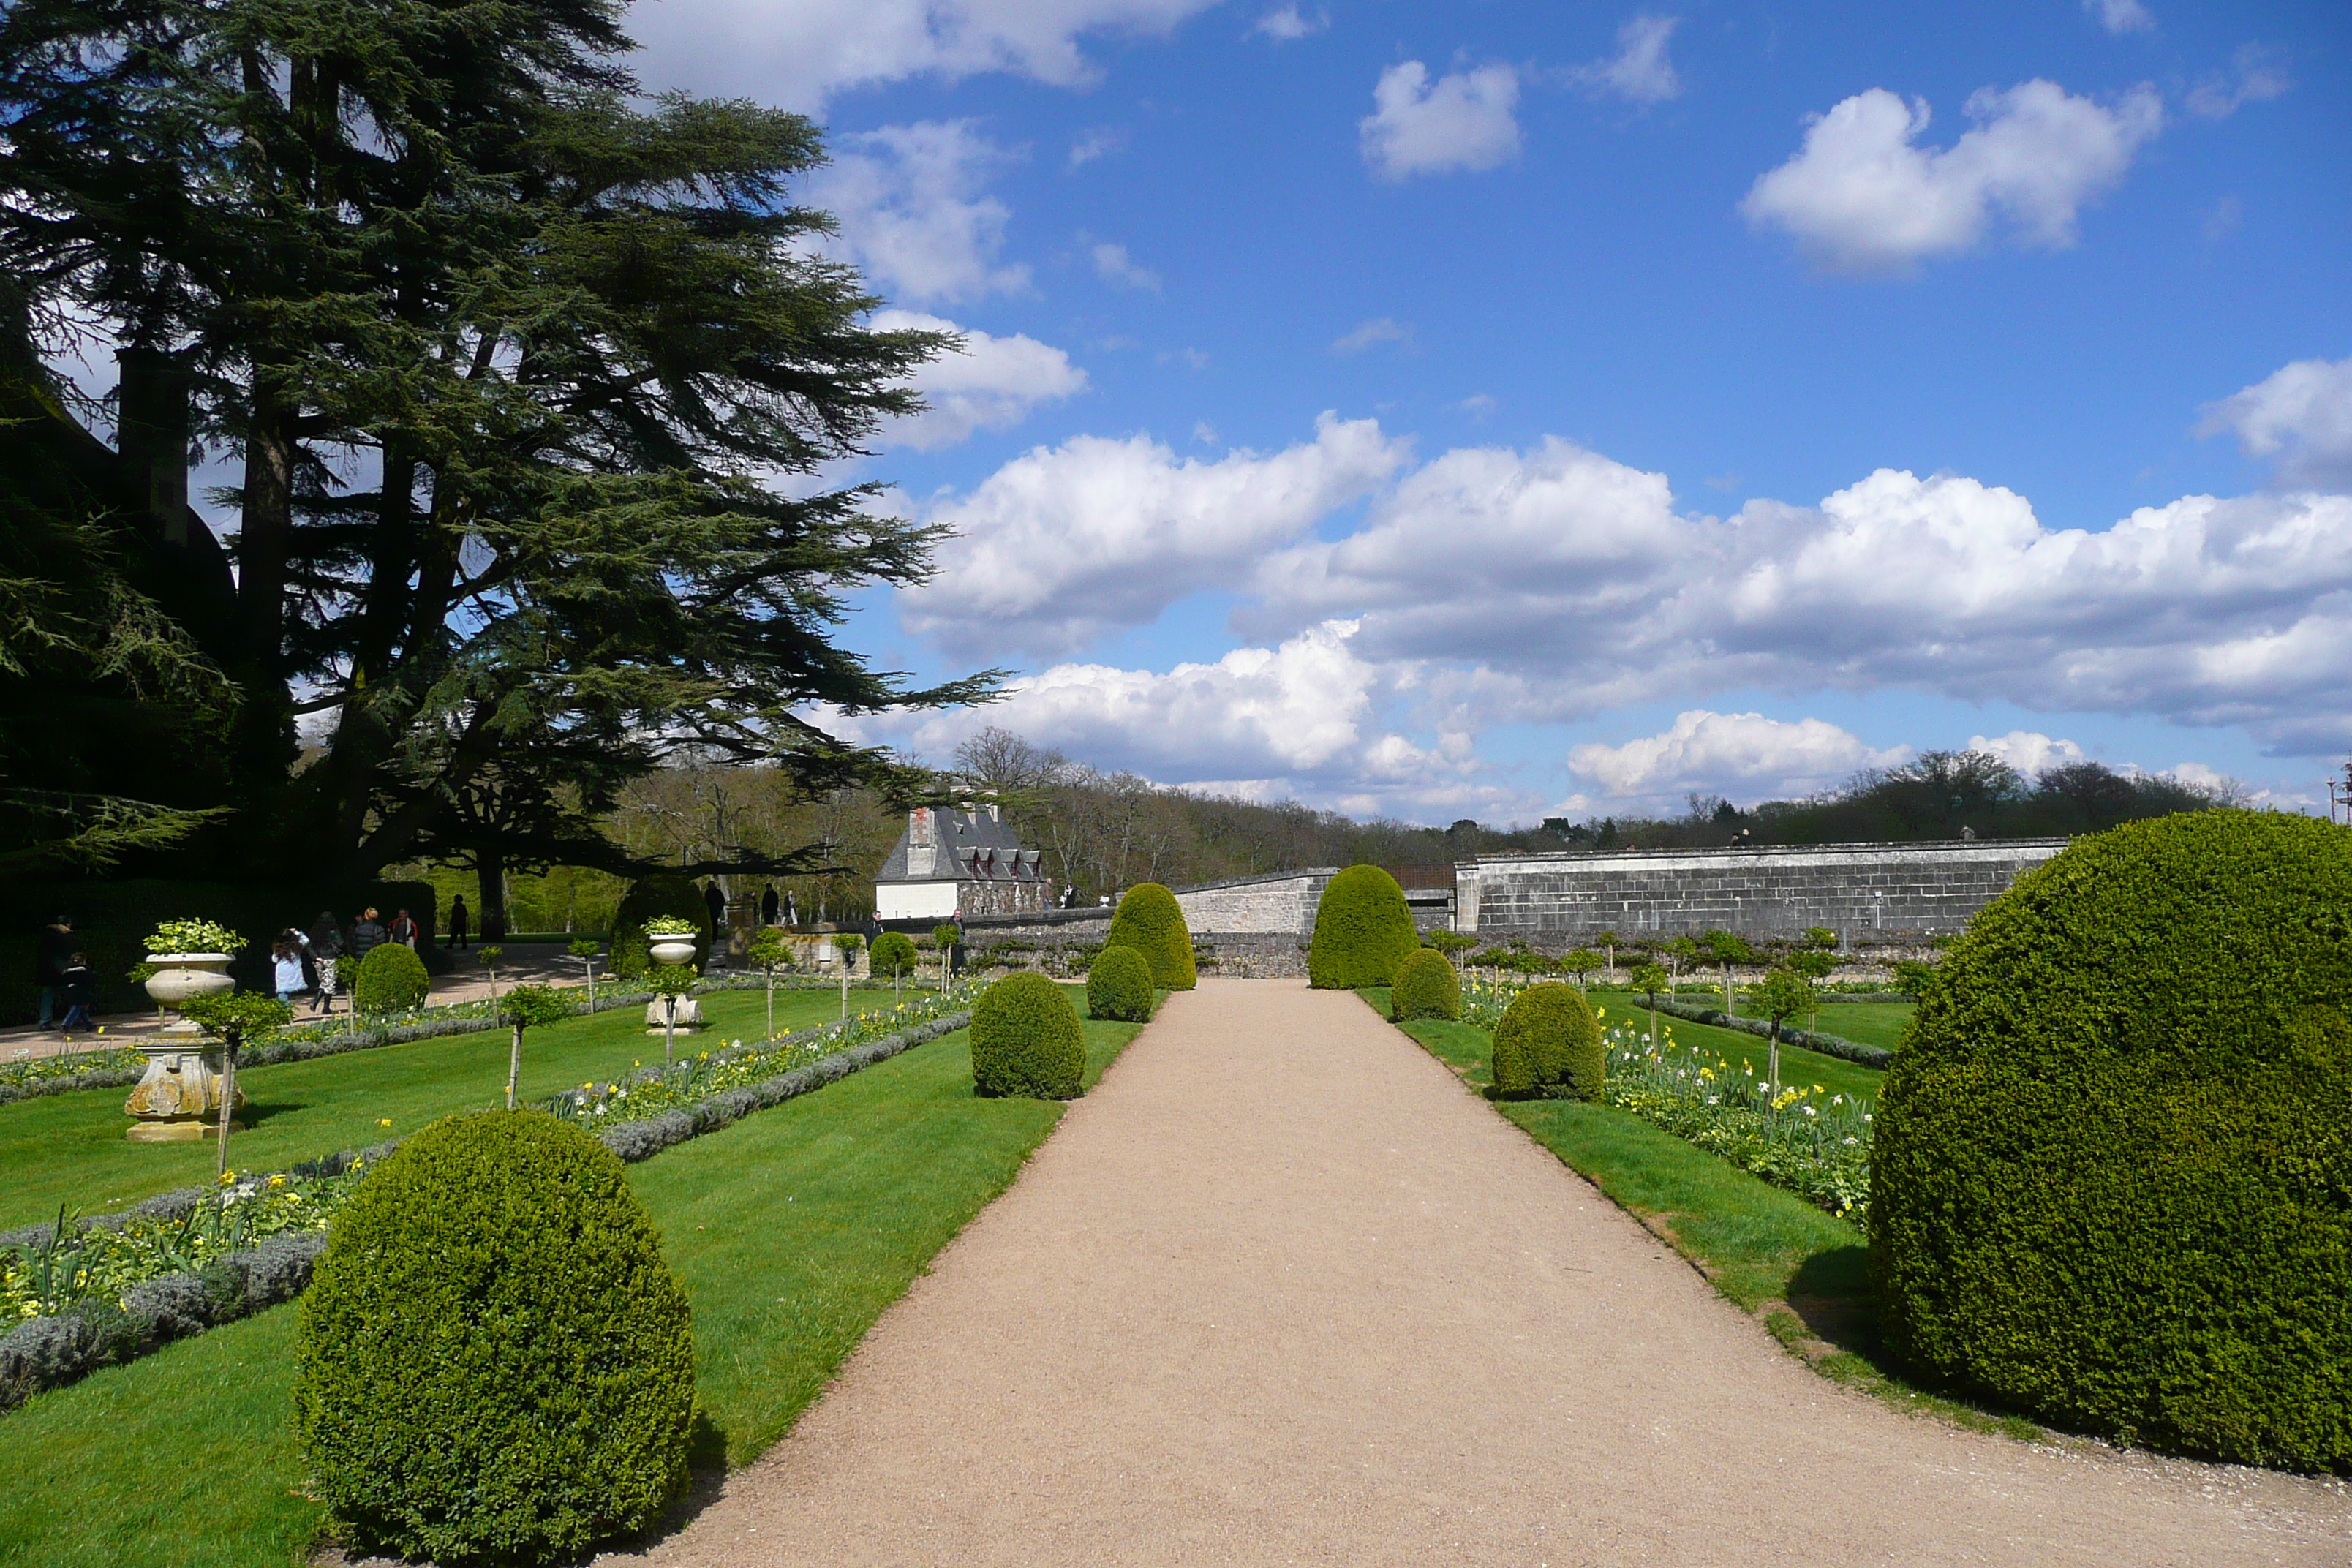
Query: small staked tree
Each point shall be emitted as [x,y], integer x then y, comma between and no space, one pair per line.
[584,950]
[1783,995]
[233,1018]
[770,951]
[894,955]
[1610,942]
[489,957]
[947,936]
[1682,953]
[1652,979]
[520,1007]
[1815,964]
[1579,961]
[846,944]
[1726,948]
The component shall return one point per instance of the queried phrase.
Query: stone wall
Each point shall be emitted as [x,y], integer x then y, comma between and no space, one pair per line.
[1254,927]
[1873,893]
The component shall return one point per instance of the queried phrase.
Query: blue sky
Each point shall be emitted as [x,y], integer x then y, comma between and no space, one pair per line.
[1502,410]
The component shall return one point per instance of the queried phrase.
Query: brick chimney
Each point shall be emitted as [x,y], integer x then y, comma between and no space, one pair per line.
[922,842]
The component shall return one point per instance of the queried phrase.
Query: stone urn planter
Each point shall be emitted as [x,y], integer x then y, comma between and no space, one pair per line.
[671,949]
[182,977]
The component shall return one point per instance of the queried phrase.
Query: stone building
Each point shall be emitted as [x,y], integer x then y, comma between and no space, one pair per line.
[953,864]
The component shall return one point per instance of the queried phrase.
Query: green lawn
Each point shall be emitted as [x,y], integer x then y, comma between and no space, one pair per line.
[1767,1251]
[793,1229]
[1871,1022]
[69,1148]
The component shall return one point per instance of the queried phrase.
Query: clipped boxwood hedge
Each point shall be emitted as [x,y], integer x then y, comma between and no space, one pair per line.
[1362,931]
[391,979]
[1548,1046]
[648,898]
[1426,987]
[1118,986]
[893,956]
[494,1364]
[1026,1042]
[2112,1181]
[1149,920]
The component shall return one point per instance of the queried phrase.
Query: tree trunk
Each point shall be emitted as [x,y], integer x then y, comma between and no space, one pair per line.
[490,870]
[264,748]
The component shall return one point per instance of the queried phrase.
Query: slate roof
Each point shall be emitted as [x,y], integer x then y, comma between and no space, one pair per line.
[1001,856]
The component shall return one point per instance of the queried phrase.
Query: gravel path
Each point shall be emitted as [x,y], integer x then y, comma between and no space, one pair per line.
[1280,1292]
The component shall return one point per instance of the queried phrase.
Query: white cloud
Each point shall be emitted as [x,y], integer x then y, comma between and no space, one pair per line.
[911,212]
[2027,750]
[1640,71]
[1723,752]
[1285,24]
[1378,329]
[1062,543]
[1576,584]
[1115,266]
[798,53]
[2255,76]
[1463,121]
[2301,414]
[1100,143]
[2120,16]
[1861,196]
[993,384]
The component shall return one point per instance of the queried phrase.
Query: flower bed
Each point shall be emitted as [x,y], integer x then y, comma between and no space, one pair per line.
[84,1295]
[1802,1137]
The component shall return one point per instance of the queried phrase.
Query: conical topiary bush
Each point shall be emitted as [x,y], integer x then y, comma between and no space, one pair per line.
[1362,931]
[1149,920]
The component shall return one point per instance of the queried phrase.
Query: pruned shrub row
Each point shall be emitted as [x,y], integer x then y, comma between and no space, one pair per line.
[1026,1041]
[1548,1046]
[1149,920]
[1118,986]
[1363,930]
[1426,987]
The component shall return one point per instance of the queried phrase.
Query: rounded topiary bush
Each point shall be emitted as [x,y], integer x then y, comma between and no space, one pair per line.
[1362,931]
[1118,986]
[1426,987]
[1026,1042]
[647,897]
[1149,920]
[493,1361]
[893,956]
[2112,1180]
[1549,1045]
[391,979]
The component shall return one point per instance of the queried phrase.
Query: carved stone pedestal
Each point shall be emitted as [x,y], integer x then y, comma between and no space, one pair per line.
[686,1020]
[179,1099]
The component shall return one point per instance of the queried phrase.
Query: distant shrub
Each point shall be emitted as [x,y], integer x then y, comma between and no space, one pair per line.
[1118,986]
[1548,1044]
[391,979]
[2111,1178]
[1362,931]
[1426,987]
[1149,920]
[650,899]
[894,955]
[493,1363]
[1026,1041]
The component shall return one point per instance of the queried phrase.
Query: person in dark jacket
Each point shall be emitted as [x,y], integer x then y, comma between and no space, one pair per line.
[772,908]
[326,954]
[458,919]
[403,929]
[50,956]
[75,983]
[367,932]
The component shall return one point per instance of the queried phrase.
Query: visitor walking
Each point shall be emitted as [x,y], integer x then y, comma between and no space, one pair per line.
[75,985]
[458,919]
[50,956]
[326,954]
[285,964]
[367,934]
[403,930]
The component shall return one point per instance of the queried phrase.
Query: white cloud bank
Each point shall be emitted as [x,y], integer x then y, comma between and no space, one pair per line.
[1721,753]
[1461,120]
[993,384]
[2030,751]
[2300,415]
[1862,195]
[913,214]
[1064,543]
[1640,71]
[798,53]
[2120,16]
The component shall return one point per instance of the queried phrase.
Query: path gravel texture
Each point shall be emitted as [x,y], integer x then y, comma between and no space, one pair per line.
[1281,1291]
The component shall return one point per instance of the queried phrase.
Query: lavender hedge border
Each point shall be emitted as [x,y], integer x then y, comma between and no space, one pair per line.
[49,1352]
